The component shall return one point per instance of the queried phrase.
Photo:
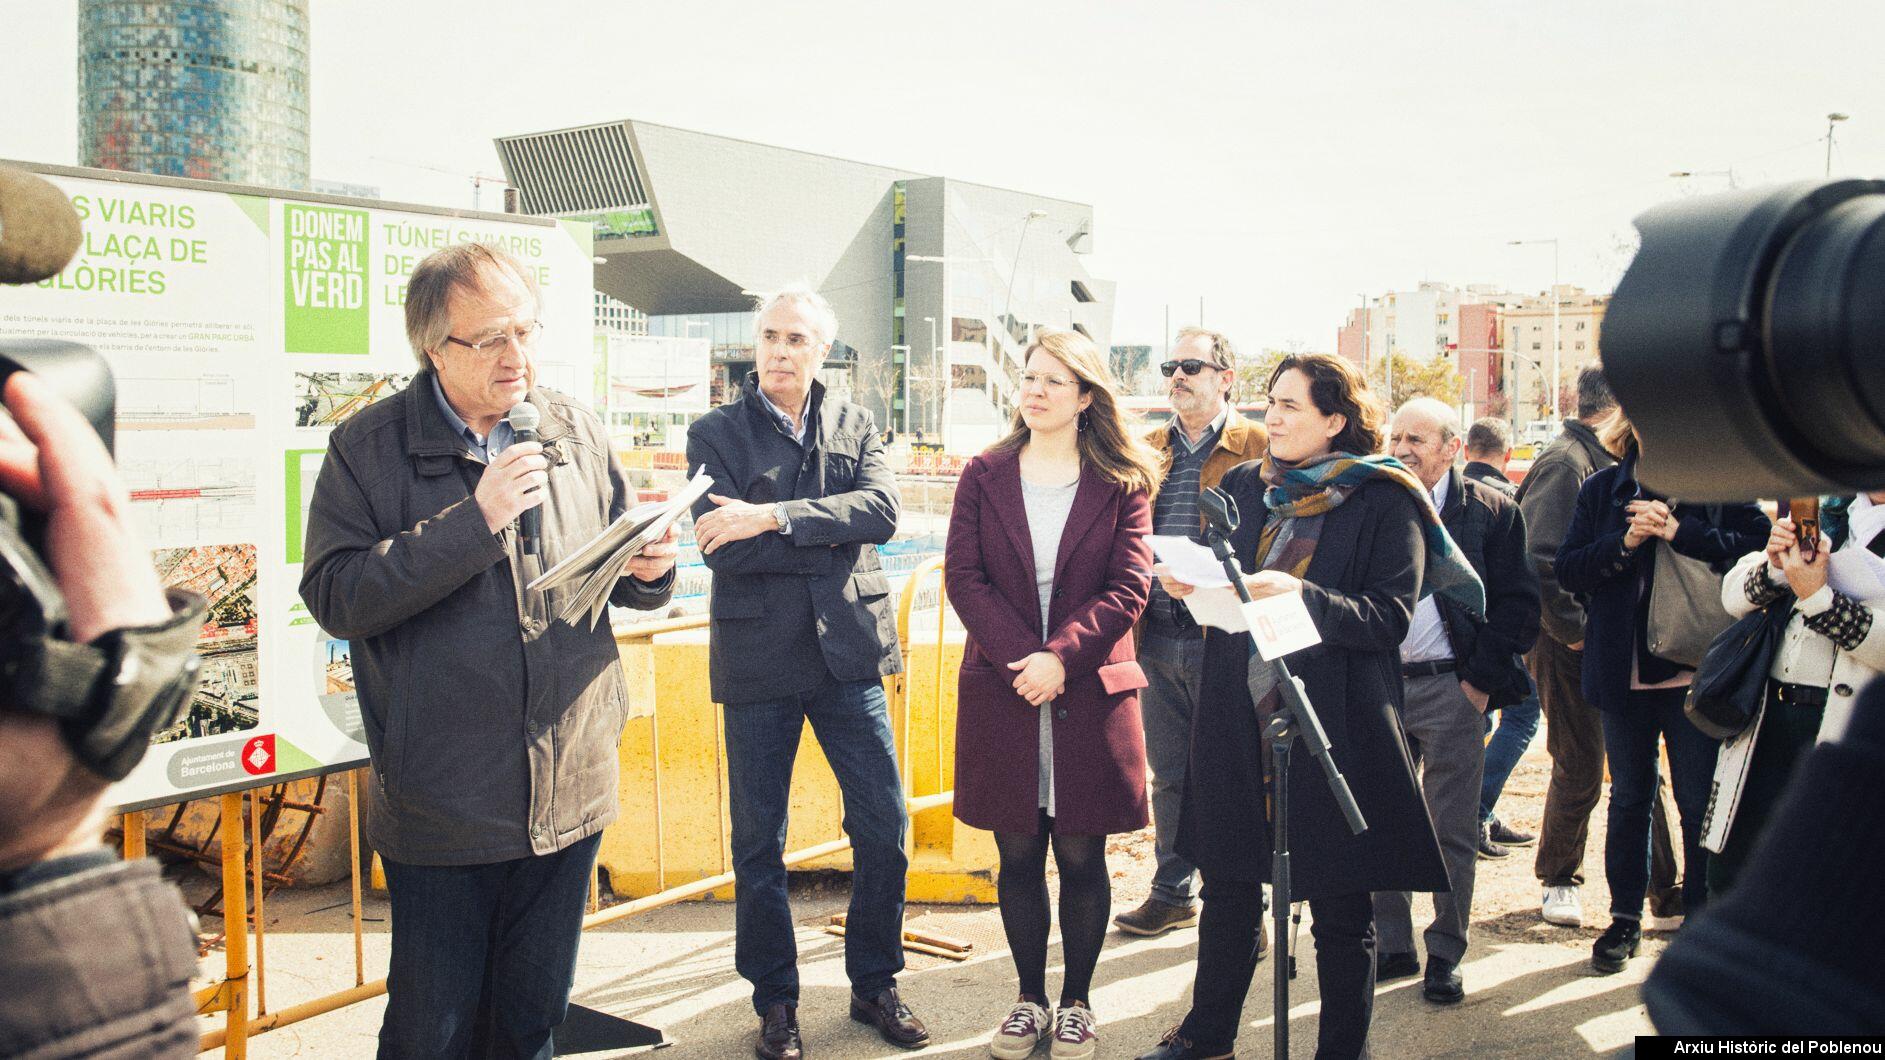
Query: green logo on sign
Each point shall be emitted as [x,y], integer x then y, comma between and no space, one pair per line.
[326,270]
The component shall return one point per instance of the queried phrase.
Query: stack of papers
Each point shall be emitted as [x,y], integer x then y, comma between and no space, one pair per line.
[598,564]
[1278,624]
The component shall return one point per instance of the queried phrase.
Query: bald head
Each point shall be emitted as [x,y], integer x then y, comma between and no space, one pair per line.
[1425,435]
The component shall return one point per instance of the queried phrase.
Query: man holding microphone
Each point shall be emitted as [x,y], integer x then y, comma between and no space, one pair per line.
[492,723]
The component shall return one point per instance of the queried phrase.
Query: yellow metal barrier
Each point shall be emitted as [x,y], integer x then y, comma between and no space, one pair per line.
[673,769]
[673,821]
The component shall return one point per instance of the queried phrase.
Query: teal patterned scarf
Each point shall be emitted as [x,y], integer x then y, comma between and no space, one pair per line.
[1310,490]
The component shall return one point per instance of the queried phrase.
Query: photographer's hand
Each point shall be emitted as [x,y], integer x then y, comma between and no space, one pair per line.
[52,461]
[1805,575]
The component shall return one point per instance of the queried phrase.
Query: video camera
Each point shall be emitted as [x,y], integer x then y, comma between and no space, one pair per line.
[1745,342]
[112,694]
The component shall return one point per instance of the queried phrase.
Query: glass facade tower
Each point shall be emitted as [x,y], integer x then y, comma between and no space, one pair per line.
[211,89]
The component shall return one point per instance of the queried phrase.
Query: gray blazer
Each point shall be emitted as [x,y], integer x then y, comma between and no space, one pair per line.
[790,611]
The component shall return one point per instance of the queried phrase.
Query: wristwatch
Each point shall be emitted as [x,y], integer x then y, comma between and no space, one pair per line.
[784,520]
[112,693]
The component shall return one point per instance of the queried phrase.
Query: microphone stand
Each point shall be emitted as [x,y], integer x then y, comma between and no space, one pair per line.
[1296,717]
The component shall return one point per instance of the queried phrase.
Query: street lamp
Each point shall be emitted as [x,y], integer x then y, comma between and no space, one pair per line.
[935,368]
[1007,309]
[1728,173]
[1832,122]
[1555,384]
[906,382]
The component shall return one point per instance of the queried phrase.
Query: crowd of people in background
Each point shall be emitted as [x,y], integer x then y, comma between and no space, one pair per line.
[1452,609]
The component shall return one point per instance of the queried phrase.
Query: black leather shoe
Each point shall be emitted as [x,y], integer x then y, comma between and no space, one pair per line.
[1505,835]
[1616,946]
[1395,966]
[892,1018]
[779,1035]
[1175,1046]
[1442,984]
[1488,849]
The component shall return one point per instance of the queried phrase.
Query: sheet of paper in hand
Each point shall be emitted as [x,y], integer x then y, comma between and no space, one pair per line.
[598,564]
[1280,625]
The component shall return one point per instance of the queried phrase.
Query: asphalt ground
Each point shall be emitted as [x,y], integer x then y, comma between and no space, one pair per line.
[1530,990]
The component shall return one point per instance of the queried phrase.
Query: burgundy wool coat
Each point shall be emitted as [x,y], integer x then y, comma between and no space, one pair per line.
[1101,581]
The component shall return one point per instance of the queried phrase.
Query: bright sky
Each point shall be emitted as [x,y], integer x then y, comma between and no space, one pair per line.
[1276,160]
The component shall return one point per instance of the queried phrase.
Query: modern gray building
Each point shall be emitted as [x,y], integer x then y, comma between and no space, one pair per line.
[936,282]
[210,89]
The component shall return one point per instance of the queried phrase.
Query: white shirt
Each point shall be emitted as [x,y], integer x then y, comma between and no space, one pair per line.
[1426,639]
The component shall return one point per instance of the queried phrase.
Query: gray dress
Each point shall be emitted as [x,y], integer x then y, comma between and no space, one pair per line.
[1047,508]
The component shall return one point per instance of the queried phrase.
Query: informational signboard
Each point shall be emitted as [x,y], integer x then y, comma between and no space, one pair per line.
[242,328]
[650,373]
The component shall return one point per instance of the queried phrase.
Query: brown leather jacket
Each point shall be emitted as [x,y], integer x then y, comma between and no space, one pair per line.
[1242,440]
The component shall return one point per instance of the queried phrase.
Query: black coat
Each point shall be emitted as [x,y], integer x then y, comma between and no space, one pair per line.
[788,611]
[1490,532]
[1614,588]
[1360,590]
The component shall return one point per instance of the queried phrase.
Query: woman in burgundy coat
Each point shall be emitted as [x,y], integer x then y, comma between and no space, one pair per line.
[1048,567]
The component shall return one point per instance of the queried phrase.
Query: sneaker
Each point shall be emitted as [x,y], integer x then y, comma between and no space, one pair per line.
[1563,906]
[1017,1036]
[1507,836]
[1489,850]
[1616,946]
[1076,1033]
[1154,917]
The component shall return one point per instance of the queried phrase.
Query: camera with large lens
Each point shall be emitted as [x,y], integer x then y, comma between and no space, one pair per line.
[1747,342]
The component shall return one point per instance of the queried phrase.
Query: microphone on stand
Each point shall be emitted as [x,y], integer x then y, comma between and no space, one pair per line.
[523,418]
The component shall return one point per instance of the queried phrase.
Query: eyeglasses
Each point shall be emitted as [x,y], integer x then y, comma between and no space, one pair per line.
[1053,384]
[1191,365]
[523,336]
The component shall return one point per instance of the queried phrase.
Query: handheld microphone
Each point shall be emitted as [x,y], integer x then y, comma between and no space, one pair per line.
[523,419]
[39,230]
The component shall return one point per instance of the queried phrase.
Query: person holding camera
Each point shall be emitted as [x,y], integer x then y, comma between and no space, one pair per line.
[1356,535]
[97,952]
[1607,557]
[1833,646]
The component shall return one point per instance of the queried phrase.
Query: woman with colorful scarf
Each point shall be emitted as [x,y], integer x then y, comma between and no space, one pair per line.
[1355,533]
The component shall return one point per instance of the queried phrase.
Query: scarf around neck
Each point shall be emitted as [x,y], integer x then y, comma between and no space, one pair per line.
[1301,494]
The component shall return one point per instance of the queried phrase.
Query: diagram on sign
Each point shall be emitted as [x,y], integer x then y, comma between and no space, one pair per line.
[210,402]
[228,699]
[190,493]
[328,399]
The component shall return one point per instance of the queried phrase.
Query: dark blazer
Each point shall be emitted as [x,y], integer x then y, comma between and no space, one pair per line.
[1482,472]
[1101,580]
[1360,590]
[1614,587]
[1486,525]
[789,611]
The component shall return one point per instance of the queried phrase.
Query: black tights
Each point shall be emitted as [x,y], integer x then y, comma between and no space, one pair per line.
[1086,897]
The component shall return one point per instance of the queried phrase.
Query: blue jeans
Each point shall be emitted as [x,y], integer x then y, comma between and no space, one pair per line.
[1630,743]
[484,955]
[852,724]
[1517,725]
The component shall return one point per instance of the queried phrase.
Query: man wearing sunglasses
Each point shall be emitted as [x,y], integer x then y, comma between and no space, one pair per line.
[1206,438]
